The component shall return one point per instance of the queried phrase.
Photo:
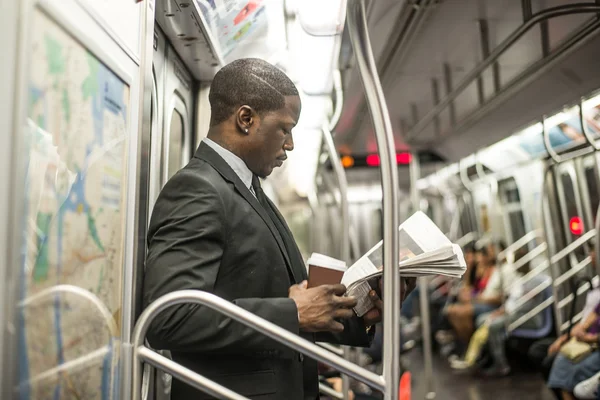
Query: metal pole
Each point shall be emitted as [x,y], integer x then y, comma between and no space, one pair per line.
[295,342]
[415,172]
[359,36]
[340,173]
[132,277]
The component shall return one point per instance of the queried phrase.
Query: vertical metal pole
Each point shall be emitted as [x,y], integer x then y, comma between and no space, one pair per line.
[448,84]
[340,173]
[359,36]
[415,173]
[131,287]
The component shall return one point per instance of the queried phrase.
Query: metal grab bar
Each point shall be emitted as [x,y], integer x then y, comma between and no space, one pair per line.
[530,314]
[333,349]
[572,272]
[339,100]
[180,372]
[469,237]
[543,15]
[531,294]
[560,158]
[580,290]
[586,134]
[359,37]
[536,252]
[142,353]
[567,300]
[574,245]
[330,392]
[531,274]
[525,239]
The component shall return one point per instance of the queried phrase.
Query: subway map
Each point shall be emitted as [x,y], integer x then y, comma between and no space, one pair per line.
[74,231]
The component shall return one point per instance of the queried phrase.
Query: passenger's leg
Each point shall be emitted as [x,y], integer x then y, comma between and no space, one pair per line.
[460,317]
[497,341]
[408,305]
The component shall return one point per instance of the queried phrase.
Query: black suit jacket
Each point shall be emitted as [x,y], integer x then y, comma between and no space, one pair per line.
[208,232]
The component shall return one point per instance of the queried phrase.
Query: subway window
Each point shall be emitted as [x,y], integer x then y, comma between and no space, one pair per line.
[592,184]
[511,200]
[176,140]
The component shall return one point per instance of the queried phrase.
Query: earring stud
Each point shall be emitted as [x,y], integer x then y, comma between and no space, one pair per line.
[246,130]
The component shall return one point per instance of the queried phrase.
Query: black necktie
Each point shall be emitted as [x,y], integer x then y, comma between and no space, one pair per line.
[288,240]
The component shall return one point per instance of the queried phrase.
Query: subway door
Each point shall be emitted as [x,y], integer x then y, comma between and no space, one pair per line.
[177,149]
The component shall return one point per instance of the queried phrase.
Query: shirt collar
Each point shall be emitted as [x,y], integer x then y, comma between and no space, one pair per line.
[237,164]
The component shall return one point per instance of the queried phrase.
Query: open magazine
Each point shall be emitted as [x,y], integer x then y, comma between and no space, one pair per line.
[424,250]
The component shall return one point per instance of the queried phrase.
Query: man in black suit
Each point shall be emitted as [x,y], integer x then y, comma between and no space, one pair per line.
[213,229]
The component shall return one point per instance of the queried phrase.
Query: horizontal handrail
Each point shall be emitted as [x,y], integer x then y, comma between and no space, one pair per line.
[530,314]
[577,317]
[77,291]
[541,267]
[335,350]
[326,390]
[574,245]
[580,290]
[525,239]
[572,271]
[184,374]
[469,237]
[531,294]
[242,316]
[530,256]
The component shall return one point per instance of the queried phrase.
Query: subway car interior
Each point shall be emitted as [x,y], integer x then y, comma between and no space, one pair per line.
[482,114]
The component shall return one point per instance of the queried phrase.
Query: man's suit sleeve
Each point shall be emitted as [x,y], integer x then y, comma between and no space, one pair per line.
[186,241]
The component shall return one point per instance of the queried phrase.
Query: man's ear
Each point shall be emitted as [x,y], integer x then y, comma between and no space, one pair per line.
[245,118]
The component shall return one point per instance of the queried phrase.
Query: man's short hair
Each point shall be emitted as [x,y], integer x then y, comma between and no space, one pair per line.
[248,81]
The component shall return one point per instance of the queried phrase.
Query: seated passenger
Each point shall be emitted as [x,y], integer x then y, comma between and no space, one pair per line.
[462,315]
[494,331]
[543,352]
[566,373]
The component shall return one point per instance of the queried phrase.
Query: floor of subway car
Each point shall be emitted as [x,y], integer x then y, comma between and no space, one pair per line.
[521,384]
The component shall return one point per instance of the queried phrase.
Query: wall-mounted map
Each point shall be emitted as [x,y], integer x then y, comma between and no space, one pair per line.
[74,222]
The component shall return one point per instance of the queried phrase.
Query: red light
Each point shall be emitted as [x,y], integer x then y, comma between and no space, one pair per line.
[373,160]
[403,158]
[576,226]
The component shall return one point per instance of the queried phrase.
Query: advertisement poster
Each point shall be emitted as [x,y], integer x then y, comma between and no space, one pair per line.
[234,21]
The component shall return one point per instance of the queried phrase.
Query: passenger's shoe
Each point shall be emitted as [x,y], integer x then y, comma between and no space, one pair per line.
[496,371]
[588,389]
[444,337]
[460,365]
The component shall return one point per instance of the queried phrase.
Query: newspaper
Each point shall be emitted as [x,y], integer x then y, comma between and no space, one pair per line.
[424,250]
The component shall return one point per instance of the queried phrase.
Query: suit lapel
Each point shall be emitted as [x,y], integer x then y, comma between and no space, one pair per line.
[213,158]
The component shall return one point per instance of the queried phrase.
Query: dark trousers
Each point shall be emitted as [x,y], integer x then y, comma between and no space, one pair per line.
[538,355]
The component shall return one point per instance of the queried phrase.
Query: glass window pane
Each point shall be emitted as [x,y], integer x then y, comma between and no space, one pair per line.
[175,144]
[517,224]
[592,182]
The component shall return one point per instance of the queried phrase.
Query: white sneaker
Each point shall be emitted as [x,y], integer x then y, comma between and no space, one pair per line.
[588,389]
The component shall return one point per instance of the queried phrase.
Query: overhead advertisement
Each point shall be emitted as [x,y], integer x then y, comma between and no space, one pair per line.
[234,21]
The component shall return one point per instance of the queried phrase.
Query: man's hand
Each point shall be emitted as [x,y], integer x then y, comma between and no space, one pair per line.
[374,315]
[319,307]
